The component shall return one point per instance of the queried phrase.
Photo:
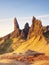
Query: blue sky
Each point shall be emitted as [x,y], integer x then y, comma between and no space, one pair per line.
[21,9]
[11,8]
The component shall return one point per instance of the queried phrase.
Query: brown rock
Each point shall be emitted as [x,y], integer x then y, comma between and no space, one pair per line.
[31,28]
[16,25]
[27,32]
[45,28]
[36,28]
[16,31]
[24,32]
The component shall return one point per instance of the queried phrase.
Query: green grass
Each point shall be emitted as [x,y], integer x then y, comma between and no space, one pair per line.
[5,47]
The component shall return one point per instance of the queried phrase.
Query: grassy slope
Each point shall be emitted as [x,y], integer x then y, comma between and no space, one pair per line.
[19,45]
[35,43]
[5,46]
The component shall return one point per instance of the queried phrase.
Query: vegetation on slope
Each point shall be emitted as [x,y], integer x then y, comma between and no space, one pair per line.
[5,47]
[29,38]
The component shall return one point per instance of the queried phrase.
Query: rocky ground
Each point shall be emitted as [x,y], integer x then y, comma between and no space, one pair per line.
[34,58]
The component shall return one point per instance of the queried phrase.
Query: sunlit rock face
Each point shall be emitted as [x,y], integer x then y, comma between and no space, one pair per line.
[36,28]
[28,32]
[16,25]
[29,38]
[16,31]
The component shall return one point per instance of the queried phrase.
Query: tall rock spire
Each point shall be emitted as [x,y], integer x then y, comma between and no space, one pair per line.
[24,32]
[15,24]
[16,31]
[36,28]
[33,21]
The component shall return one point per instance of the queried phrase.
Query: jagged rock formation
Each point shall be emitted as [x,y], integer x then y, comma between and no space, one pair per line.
[33,33]
[21,50]
[31,28]
[24,32]
[16,32]
[16,25]
[36,28]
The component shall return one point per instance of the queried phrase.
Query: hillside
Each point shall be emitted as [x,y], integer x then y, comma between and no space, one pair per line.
[30,38]
[34,38]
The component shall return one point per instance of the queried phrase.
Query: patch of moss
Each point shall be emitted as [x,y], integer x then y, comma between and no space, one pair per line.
[5,47]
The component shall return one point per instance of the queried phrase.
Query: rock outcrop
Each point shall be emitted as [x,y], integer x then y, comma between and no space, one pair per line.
[45,28]
[14,34]
[26,39]
[16,31]
[24,32]
[28,32]
[36,28]
[16,25]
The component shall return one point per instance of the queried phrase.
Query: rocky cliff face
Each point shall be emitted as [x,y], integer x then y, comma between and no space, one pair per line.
[16,31]
[16,25]
[24,32]
[33,33]
[14,34]
[36,28]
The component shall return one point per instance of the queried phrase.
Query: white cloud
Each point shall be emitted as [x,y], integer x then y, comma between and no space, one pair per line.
[43,16]
[7,25]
